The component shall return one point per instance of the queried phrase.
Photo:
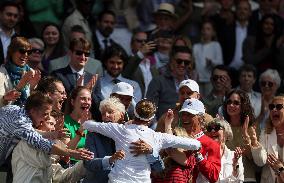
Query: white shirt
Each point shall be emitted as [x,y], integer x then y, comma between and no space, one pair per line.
[225,175]
[146,72]
[136,169]
[6,40]
[241,34]
[201,51]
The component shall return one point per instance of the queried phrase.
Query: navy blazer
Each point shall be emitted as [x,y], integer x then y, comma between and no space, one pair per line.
[101,146]
[68,78]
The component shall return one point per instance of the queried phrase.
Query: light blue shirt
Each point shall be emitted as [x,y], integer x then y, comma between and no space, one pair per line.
[106,84]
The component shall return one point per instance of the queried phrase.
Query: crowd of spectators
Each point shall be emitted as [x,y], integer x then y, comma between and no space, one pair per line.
[171,91]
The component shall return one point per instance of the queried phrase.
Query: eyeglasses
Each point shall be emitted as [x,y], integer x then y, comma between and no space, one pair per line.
[215,127]
[277,106]
[217,77]
[80,53]
[24,51]
[38,51]
[234,102]
[185,62]
[266,83]
[141,40]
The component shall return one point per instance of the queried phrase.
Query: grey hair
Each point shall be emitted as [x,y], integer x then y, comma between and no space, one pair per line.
[227,128]
[273,74]
[113,103]
[36,41]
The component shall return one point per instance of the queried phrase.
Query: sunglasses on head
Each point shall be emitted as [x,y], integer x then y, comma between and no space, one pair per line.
[215,127]
[80,53]
[38,51]
[234,102]
[277,106]
[24,51]
[185,62]
[266,83]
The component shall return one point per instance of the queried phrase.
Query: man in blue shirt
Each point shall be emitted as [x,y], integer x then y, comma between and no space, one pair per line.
[17,124]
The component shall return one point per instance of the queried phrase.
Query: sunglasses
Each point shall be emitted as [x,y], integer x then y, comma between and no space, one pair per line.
[277,106]
[80,53]
[38,51]
[234,102]
[215,127]
[185,62]
[24,51]
[266,83]
[141,40]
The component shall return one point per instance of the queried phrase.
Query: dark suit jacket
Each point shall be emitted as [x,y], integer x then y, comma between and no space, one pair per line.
[97,47]
[101,146]
[2,51]
[68,78]
[132,71]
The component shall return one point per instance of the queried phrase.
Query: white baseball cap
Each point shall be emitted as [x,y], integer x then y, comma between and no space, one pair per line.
[123,88]
[191,84]
[193,106]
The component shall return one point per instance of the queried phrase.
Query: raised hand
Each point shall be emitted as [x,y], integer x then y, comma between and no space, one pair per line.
[11,95]
[237,154]
[274,162]
[92,82]
[81,154]
[140,147]
[148,47]
[59,134]
[118,155]
[35,77]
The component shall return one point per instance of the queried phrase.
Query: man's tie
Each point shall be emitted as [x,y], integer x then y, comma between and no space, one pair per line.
[105,41]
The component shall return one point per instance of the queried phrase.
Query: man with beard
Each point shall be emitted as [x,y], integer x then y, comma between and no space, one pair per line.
[221,82]
[102,38]
[9,17]
[114,61]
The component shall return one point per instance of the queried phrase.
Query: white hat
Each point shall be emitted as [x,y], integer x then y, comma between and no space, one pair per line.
[193,106]
[123,88]
[191,84]
[166,9]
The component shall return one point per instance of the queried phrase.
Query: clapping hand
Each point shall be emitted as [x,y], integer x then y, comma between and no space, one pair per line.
[11,95]
[92,82]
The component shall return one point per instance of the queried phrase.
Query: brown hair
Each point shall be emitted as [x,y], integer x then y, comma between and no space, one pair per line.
[16,44]
[246,108]
[74,94]
[37,100]
[81,43]
[145,109]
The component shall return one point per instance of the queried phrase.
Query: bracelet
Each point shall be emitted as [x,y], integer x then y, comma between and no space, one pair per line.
[81,134]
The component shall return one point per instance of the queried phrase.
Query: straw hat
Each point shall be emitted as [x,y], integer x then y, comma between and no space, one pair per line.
[166,9]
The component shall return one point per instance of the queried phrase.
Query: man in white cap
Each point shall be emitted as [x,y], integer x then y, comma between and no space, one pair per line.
[208,160]
[187,89]
[124,92]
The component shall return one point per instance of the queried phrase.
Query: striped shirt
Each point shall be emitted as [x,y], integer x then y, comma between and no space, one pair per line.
[15,125]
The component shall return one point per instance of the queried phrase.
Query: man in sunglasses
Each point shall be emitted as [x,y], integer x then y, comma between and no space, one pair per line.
[74,74]
[221,80]
[207,163]
[163,90]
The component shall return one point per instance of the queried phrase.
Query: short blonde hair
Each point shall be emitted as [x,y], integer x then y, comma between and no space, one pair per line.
[113,103]
[227,128]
